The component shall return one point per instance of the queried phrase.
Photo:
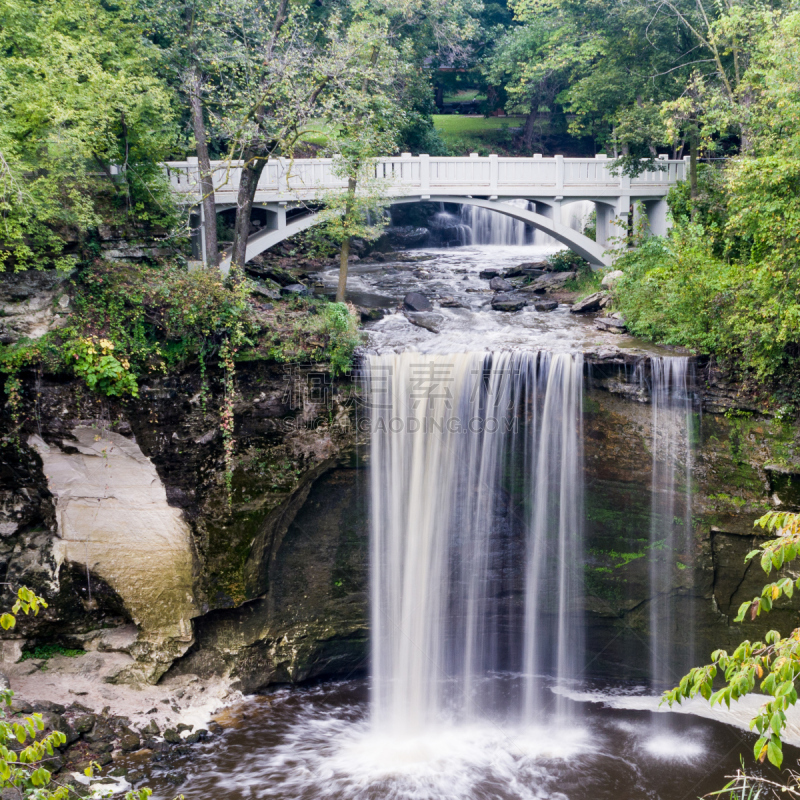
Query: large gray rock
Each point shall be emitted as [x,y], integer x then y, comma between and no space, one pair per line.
[552,281]
[501,285]
[32,304]
[416,301]
[544,305]
[431,321]
[611,278]
[524,270]
[594,302]
[114,519]
[508,302]
[610,324]
[451,302]
[268,289]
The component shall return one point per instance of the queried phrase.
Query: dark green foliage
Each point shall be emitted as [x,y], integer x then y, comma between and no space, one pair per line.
[566,261]
[46,651]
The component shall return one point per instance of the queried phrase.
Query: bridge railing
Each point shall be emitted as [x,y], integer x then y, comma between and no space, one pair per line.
[492,175]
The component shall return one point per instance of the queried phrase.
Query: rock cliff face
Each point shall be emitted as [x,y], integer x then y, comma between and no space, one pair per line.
[117,512]
[742,465]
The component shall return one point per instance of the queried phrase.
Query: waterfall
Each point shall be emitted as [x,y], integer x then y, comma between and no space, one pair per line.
[555,559]
[492,227]
[671,559]
[449,228]
[485,226]
[476,486]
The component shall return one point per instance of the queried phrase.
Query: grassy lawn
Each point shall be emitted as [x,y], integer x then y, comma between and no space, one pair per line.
[482,135]
[462,134]
[464,96]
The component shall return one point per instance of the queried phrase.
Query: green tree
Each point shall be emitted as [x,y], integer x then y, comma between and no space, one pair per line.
[726,281]
[774,664]
[84,123]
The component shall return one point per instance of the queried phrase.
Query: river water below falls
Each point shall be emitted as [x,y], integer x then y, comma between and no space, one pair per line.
[481,683]
[319,744]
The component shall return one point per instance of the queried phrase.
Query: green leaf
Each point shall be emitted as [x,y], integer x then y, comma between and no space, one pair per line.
[775,752]
[740,616]
[776,722]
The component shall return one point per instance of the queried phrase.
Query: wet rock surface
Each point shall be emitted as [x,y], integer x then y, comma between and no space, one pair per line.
[508,302]
[415,301]
[543,305]
[500,285]
[102,739]
[429,320]
[549,282]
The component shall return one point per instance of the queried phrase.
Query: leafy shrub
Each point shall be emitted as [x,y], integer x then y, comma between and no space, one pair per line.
[342,329]
[566,261]
[94,361]
[677,291]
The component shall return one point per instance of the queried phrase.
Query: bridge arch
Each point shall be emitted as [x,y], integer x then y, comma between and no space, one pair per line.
[585,247]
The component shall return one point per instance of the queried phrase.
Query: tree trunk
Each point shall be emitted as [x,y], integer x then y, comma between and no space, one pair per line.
[345,251]
[529,130]
[248,183]
[206,178]
[343,256]
[693,169]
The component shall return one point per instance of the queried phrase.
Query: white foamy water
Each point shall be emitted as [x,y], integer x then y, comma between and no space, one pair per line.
[319,744]
[455,273]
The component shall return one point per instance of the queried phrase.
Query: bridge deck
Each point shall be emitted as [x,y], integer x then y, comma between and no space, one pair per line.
[285,180]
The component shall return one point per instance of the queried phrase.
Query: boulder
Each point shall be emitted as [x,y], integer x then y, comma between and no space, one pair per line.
[488,274]
[275,273]
[370,314]
[451,302]
[416,301]
[130,742]
[151,728]
[523,271]
[508,302]
[611,278]
[544,305]
[270,290]
[425,319]
[610,324]
[296,289]
[11,650]
[552,281]
[172,736]
[501,285]
[591,303]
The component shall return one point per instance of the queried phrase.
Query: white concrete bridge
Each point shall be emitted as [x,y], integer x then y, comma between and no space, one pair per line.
[289,188]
